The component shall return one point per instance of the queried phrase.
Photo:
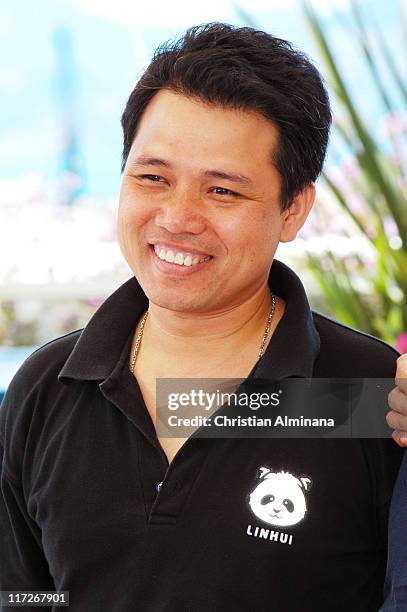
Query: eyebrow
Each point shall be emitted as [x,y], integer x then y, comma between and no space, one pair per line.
[145,160]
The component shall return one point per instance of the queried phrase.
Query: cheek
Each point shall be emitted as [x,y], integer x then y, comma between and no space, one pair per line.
[299,506]
[258,239]
[131,218]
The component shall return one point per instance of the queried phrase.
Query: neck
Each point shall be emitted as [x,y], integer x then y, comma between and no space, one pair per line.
[201,335]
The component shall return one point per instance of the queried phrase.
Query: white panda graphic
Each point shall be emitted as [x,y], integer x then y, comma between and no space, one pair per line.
[279,499]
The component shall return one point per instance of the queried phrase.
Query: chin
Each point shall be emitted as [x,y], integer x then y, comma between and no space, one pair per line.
[173,294]
[176,303]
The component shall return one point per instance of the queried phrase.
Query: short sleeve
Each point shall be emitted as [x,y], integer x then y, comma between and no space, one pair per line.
[384,458]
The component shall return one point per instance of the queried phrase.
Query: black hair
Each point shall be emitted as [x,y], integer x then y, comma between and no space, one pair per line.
[246,69]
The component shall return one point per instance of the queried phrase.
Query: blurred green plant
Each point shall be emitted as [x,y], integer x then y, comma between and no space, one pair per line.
[365,201]
[379,180]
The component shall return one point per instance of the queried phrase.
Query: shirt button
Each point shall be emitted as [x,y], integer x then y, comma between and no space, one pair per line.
[158,486]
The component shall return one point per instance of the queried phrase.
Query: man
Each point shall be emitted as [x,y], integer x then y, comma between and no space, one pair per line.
[224,137]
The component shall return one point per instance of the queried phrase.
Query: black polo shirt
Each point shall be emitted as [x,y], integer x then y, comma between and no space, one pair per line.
[81,511]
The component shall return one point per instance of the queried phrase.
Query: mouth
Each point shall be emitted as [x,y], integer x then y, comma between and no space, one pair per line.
[174,260]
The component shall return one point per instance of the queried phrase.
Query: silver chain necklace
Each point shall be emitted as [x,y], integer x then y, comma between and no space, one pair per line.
[262,344]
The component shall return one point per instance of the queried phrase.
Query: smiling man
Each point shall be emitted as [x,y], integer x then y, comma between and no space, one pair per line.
[199,223]
[225,135]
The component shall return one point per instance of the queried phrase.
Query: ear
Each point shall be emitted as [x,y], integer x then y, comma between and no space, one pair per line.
[297,213]
[306,483]
[263,471]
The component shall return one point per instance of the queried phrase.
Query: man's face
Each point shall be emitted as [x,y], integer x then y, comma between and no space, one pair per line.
[199,182]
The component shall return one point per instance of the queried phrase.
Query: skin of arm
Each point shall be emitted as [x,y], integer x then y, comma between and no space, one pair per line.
[397,416]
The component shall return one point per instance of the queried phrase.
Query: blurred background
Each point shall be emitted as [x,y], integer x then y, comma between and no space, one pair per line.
[67,68]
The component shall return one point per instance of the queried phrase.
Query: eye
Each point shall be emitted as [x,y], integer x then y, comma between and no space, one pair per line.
[289,505]
[155,178]
[224,191]
[267,499]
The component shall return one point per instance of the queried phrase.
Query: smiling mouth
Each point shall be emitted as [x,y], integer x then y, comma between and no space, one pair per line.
[179,258]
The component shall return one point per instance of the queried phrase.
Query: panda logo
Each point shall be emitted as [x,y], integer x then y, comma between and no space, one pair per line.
[279,499]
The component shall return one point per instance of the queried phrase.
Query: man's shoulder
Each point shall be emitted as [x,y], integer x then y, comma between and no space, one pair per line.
[33,393]
[349,352]
[39,371]
[46,361]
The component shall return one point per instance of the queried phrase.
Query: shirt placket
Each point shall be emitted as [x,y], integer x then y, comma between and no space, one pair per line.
[165,486]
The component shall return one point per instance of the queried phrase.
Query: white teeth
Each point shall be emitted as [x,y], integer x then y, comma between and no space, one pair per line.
[179,258]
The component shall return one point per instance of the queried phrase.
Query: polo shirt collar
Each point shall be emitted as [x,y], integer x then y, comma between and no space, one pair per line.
[292,350]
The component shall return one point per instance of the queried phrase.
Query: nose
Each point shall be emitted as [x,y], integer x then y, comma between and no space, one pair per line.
[276,510]
[182,213]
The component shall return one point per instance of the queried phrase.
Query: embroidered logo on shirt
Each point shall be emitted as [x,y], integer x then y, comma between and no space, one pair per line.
[280,498]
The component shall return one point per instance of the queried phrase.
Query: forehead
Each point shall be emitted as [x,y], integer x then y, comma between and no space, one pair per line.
[188,130]
[282,480]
